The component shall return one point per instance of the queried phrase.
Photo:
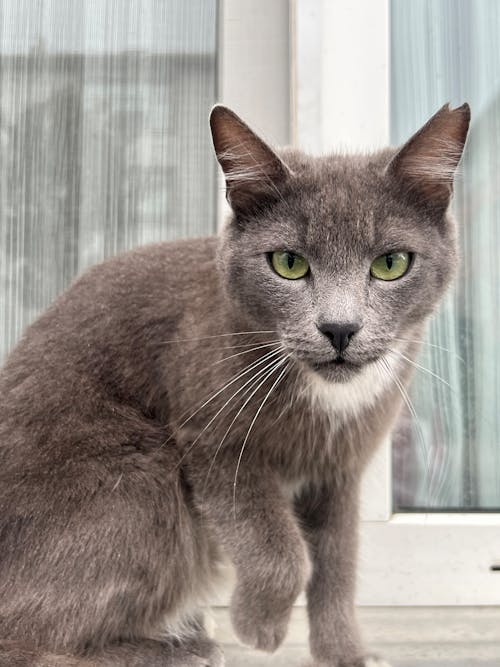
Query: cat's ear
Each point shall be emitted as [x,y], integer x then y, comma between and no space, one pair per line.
[253,171]
[427,163]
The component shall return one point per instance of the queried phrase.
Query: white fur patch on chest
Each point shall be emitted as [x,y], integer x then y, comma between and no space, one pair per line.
[348,399]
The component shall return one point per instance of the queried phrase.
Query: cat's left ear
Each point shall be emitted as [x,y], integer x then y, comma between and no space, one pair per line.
[426,165]
[253,171]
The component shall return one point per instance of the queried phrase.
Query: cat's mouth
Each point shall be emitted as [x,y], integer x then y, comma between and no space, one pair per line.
[339,369]
[338,361]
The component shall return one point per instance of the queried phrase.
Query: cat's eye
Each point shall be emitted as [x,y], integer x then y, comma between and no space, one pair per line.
[289,265]
[391,266]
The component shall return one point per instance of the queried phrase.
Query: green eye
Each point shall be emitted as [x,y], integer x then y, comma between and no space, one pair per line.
[390,266]
[289,265]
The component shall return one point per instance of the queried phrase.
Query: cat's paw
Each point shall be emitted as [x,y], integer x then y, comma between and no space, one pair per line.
[259,621]
[262,634]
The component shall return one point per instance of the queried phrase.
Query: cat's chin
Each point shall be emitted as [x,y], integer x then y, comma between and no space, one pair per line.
[336,370]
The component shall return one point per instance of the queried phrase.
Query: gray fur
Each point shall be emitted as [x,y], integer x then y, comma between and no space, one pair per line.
[143,438]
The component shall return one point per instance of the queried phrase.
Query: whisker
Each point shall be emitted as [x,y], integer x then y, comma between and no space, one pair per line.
[254,390]
[252,379]
[275,383]
[248,369]
[231,333]
[437,477]
[232,347]
[437,347]
[422,368]
[237,354]
[411,408]
[441,455]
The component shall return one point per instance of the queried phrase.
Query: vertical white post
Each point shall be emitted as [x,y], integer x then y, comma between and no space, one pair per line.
[254,71]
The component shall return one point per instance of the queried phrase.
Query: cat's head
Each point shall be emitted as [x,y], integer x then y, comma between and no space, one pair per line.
[342,256]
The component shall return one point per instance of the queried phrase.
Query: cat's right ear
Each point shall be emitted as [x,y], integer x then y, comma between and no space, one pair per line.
[425,166]
[254,173]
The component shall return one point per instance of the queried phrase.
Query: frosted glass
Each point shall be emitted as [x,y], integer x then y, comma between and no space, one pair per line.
[104,137]
[449,50]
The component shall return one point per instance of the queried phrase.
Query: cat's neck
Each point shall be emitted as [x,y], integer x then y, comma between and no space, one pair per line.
[347,399]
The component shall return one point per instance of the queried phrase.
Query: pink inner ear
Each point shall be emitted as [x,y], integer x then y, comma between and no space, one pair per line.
[427,163]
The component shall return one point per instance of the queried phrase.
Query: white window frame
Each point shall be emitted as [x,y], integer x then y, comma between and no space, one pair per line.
[405,559]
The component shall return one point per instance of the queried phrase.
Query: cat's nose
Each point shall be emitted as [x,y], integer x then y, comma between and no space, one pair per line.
[339,333]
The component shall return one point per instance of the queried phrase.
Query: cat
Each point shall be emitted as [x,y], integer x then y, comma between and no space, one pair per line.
[196,400]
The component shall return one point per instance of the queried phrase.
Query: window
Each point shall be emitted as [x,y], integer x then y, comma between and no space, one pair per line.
[449,457]
[104,135]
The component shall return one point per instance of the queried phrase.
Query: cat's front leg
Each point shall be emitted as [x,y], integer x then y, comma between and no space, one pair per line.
[329,516]
[256,528]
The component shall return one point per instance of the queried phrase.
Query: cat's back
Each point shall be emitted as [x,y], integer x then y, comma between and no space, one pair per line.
[158,276]
[147,283]
[101,340]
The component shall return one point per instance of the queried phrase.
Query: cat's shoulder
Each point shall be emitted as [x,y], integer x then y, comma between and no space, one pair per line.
[155,264]
[180,252]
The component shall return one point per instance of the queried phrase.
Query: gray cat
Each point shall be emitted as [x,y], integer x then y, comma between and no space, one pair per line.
[192,401]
